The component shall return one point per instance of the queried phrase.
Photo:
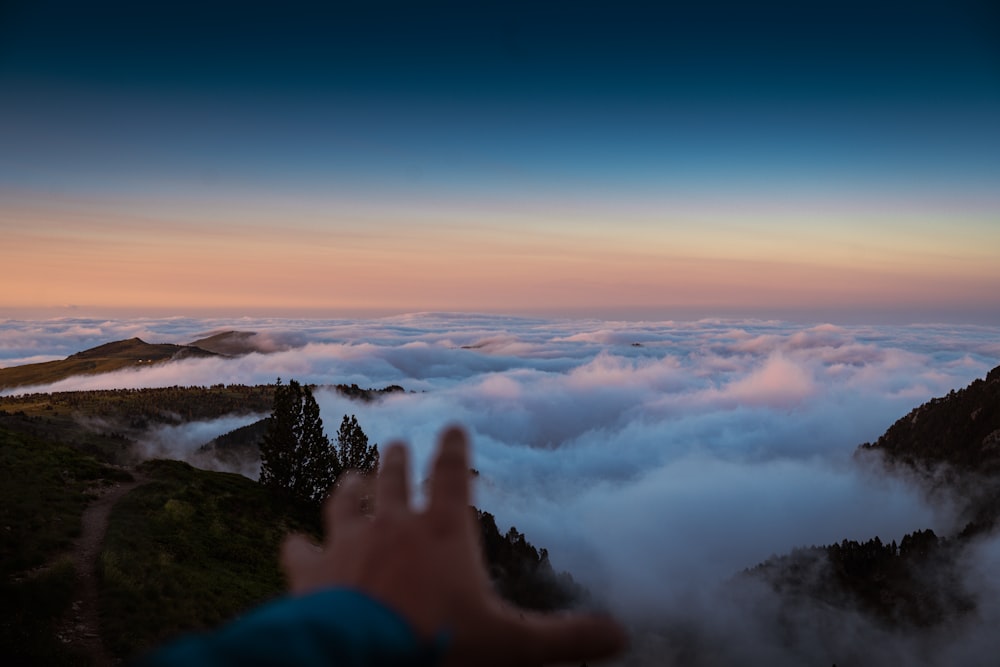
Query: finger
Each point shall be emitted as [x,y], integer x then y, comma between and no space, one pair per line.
[299,558]
[392,490]
[344,507]
[450,476]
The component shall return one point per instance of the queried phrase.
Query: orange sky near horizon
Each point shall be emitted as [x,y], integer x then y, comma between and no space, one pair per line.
[316,255]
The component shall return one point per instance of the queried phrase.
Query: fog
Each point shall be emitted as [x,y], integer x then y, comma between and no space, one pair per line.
[653,460]
[184,442]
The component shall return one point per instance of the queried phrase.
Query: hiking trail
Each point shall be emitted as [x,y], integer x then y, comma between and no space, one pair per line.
[81,627]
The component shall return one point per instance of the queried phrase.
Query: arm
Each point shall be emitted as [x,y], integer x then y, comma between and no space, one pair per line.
[334,626]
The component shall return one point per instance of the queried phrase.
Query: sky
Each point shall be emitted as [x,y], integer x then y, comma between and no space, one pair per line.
[654,460]
[825,161]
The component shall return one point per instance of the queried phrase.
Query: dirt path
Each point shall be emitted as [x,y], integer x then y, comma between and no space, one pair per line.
[80,627]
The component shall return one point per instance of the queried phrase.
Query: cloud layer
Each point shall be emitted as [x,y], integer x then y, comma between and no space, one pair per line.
[653,460]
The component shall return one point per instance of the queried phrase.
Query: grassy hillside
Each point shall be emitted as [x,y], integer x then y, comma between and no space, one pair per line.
[194,548]
[44,488]
[132,353]
[140,408]
[104,423]
[187,551]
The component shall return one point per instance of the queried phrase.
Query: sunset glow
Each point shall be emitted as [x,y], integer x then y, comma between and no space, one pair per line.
[96,254]
[659,185]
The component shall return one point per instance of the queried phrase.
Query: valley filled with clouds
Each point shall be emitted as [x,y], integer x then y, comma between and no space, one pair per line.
[653,460]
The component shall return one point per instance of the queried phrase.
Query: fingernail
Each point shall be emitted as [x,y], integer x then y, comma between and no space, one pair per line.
[454,440]
[395,452]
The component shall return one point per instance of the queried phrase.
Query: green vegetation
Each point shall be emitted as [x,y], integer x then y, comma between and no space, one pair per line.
[141,408]
[43,492]
[187,551]
[138,409]
[104,423]
[194,548]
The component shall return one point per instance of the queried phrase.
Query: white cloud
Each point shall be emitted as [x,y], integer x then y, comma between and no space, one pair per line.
[651,471]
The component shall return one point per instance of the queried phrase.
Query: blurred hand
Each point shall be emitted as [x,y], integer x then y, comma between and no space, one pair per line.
[428,566]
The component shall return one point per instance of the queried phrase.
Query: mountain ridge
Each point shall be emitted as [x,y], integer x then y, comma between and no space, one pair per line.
[104,358]
[961,429]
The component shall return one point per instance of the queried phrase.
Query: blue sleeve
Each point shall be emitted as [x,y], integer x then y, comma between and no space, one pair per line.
[336,627]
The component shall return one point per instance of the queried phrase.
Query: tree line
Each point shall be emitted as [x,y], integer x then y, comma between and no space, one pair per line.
[297,459]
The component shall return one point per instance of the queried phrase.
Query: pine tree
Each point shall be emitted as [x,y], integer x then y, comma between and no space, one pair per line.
[296,458]
[353,448]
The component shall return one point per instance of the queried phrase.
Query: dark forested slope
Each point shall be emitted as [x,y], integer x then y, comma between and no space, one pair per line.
[961,429]
[953,444]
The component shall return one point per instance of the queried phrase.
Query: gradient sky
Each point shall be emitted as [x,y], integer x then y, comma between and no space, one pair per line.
[835,161]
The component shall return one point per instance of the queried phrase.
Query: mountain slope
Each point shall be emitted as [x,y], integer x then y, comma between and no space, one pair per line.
[101,359]
[961,429]
[953,442]
[232,343]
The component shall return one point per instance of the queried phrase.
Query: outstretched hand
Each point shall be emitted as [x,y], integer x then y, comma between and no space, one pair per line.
[428,566]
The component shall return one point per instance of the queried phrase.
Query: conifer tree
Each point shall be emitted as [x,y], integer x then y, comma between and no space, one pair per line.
[296,458]
[353,449]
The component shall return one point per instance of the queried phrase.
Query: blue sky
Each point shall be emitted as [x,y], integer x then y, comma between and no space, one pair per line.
[544,117]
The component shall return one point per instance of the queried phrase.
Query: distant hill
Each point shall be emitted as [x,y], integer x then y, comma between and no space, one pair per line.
[105,358]
[239,446]
[236,343]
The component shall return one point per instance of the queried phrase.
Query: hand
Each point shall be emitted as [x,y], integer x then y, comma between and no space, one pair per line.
[428,566]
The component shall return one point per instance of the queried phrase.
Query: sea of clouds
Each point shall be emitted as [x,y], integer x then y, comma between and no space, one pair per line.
[654,460]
